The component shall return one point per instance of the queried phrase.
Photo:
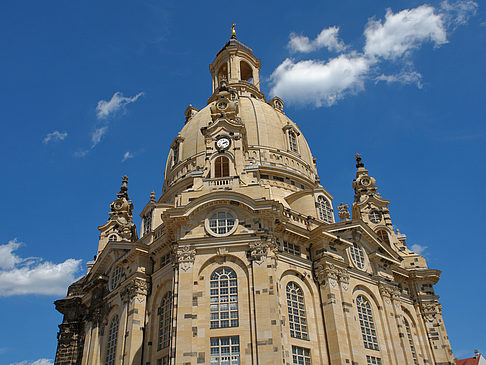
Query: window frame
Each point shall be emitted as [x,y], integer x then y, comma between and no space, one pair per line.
[305,355]
[367,323]
[224,167]
[233,357]
[296,310]
[325,212]
[112,340]
[355,252]
[209,218]
[164,313]
[225,296]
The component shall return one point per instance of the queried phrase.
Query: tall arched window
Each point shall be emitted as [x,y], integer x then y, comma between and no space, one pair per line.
[296,310]
[292,141]
[368,329]
[165,321]
[111,341]
[383,234]
[410,341]
[324,210]
[224,298]
[221,167]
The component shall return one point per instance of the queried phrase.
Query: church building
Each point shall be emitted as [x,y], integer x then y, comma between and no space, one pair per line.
[242,260]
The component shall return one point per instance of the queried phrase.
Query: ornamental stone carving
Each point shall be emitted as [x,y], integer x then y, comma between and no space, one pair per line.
[185,257]
[258,250]
[430,311]
[344,212]
[329,273]
[389,293]
[135,287]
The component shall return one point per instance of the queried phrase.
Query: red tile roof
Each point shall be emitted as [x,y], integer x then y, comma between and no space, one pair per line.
[469,361]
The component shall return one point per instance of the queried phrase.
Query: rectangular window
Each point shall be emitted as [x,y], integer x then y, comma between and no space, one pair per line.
[225,350]
[163,361]
[301,356]
[165,260]
[291,248]
[371,360]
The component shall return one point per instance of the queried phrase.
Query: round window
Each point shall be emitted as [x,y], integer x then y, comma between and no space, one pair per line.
[221,223]
[375,216]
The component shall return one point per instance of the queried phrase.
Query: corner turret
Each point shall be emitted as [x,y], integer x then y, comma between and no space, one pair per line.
[120,226]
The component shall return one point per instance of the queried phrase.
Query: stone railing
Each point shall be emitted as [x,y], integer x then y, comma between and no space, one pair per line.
[221,182]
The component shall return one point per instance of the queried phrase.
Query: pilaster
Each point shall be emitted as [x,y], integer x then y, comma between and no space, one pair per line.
[329,277]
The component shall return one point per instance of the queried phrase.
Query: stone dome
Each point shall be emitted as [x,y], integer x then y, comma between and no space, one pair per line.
[241,141]
[265,131]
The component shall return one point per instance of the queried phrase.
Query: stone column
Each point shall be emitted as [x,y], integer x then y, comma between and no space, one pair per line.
[334,320]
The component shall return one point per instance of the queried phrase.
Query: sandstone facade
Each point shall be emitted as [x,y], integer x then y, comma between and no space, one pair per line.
[241,261]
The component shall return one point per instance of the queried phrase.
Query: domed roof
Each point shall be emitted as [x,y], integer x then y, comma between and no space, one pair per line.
[264,127]
[261,142]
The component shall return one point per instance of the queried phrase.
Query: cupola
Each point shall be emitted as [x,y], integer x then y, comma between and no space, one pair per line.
[236,64]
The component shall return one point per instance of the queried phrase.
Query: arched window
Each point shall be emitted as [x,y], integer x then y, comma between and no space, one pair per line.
[296,310]
[368,329]
[111,341]
[246,72]
[383,235]
[410,341]
[357,255]
[175,154]
[292,141]
[324,210]
[224,298]
[165,321]
[221,167]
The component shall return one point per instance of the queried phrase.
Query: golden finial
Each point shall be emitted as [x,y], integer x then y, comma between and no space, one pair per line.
[233,31]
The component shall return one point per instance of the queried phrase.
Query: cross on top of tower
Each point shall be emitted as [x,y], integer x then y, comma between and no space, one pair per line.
[233,31]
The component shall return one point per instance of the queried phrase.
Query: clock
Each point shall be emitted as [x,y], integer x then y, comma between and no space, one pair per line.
[223,143]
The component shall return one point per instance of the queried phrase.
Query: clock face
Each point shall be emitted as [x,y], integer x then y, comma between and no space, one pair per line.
[223,143]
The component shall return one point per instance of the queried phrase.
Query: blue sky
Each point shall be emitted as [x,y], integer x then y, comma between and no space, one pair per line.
[94,90]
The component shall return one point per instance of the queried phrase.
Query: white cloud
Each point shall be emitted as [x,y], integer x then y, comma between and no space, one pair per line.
[37,362]
[403,32]
[54,137]
[404,77]
[106,108]
[8,259]
[391,41]
[33,275]
[459,12]
[319,82]
[97,135]
[126,156]
[418,248]
[328,38]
